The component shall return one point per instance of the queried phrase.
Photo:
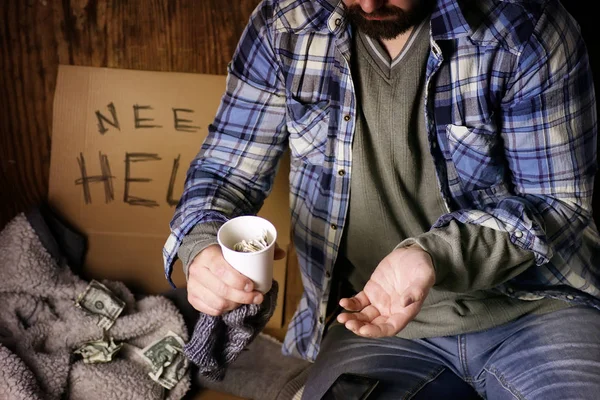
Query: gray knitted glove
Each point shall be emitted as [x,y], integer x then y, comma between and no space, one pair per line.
[217,341]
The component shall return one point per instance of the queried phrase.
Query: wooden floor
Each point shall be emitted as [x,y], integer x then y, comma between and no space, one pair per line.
[212,395]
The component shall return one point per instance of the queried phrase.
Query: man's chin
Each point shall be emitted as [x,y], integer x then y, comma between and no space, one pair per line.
[388,23]
[381,30]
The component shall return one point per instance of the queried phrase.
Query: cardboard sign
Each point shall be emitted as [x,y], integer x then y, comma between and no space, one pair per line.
[122,141]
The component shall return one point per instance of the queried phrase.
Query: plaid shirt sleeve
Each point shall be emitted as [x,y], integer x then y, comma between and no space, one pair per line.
[549,129]
[234,170]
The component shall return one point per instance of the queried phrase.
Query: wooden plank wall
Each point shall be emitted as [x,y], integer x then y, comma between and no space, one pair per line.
[38,35]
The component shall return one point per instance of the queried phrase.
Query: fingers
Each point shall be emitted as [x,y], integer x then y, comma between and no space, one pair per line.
[412,294]
[363,313]
[203,300]
[215,287]
[376,331]
[201,306]
[212,258]
[355,325]
[369,322]
[384,326]
[223,289]
[355,303]
[390,326]
[214,301]
[368,314]
[354,321]
[200,296]
[381,326]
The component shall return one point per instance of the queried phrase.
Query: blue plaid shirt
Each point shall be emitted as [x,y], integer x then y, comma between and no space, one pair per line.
[511,118]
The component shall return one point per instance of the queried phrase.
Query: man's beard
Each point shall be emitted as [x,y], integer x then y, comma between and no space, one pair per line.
[396,22]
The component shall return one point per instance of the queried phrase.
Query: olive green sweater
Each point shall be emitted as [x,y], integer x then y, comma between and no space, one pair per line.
[394,198]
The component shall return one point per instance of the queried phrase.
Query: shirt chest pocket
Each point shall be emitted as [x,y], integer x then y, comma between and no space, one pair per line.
[308,128]
[476,155]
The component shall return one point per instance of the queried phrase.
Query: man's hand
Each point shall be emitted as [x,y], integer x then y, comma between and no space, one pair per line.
[393,296]
[215,287]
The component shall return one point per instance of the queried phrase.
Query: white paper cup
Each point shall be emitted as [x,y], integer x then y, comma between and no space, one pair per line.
[258,265]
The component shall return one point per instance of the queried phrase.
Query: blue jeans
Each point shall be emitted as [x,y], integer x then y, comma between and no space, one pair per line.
[546,357]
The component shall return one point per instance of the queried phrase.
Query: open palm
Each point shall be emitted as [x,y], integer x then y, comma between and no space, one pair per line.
[393,296]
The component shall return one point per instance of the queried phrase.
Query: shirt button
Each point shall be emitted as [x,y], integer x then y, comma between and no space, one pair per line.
[433,145]
[338,21]
[511,290]
[321,319]
[347,118]
[334,227]
[570,297]
[518,234]
[341,172]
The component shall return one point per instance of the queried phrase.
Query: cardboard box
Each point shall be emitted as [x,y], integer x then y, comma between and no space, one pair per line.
[122,141]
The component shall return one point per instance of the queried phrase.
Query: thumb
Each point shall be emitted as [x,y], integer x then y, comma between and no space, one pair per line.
[413,294]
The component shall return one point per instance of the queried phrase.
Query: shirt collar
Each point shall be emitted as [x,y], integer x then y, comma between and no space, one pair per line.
[298,16]
[448,21]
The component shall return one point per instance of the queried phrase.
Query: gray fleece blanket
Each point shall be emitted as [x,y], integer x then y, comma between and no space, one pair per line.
[41,329]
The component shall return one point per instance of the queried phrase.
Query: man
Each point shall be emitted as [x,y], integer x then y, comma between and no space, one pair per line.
[442,159]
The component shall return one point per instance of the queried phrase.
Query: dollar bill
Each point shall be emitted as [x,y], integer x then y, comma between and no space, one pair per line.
[99,300]
[98,351]
[167,362]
